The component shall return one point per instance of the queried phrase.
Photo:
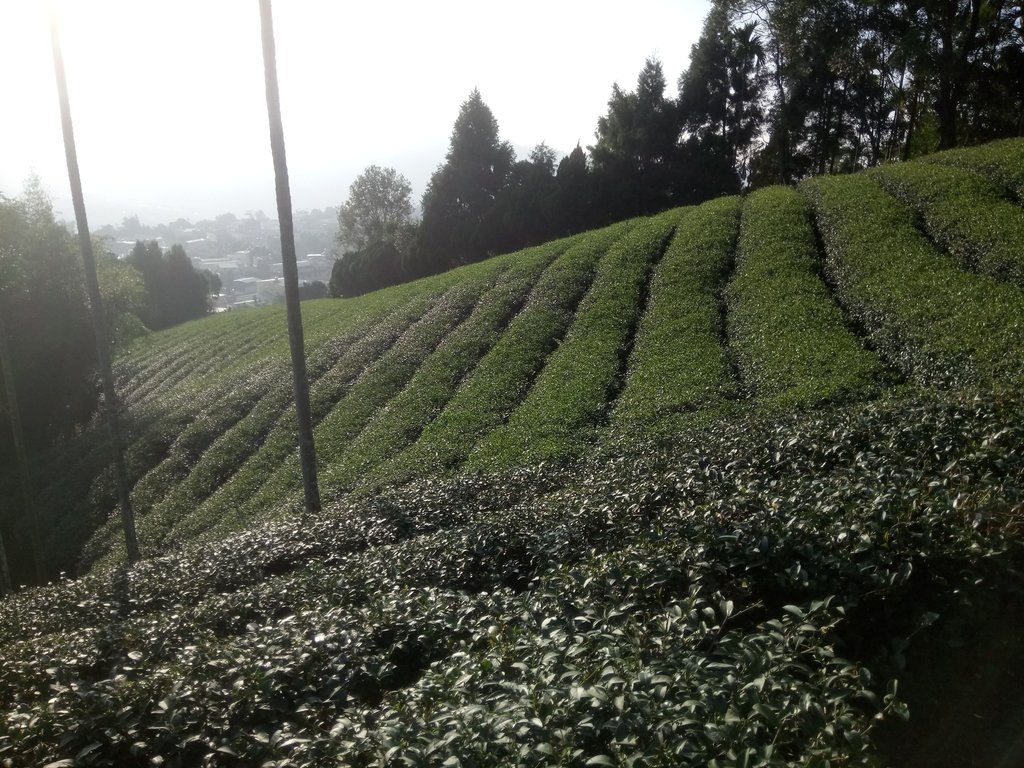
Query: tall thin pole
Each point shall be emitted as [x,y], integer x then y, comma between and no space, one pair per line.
[300,383]
[110,404]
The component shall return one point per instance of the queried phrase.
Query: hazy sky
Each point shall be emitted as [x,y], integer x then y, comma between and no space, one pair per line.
[170,113]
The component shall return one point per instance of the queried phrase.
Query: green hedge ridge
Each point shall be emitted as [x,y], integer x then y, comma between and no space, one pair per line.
[504,375]
[1002,161]
[235,462]
[400,422]
[936,322]
[570,397]
[964,214]
[788,336]
[678,363]
[340,414]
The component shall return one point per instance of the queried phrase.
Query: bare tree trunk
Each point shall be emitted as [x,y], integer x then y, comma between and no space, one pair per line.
[110,404]
[300,382]
[28,513]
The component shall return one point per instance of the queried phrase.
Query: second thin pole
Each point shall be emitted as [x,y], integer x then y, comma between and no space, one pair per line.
[300,382]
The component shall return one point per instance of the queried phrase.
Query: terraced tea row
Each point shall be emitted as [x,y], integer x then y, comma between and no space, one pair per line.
[791,343]
[931,319]
[784,298]
[569,398]
[964,213]
[679,362]
[635,608]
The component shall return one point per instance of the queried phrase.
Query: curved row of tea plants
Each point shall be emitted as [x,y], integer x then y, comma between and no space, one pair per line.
[964,213]
[402,421]
[679,362]
[376,386]
[789,338]
[570,396]
[1001,161]
[504,375]
[243,440]
[728,600]
[934,321]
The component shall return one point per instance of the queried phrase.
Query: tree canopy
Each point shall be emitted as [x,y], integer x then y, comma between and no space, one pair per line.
[175,291]
[50,354]
[462,191]
[378,205]
[775,91]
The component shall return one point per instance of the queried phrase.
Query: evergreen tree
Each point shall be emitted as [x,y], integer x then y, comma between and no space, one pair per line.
[720,106]
[574,210]
[463,189]
[175,292]
[523,213]
[636,142]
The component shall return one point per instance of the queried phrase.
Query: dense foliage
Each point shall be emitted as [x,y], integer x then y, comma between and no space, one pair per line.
[747,597]
[789,338]
[175,291]
[653,515]
[47,353]
[775,91]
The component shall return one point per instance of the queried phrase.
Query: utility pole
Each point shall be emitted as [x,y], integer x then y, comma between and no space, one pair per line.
[110,404]
[300,382]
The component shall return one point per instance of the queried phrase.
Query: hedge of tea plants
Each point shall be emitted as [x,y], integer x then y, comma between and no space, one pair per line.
[679,362]
[754,596]
[501,380]
[570,397]
[402,421]
[964,213]
[790,340]
[1001,161]
[936,322]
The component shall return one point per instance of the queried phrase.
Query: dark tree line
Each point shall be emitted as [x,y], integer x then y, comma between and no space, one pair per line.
[175,291]
[775,91]
[47,355]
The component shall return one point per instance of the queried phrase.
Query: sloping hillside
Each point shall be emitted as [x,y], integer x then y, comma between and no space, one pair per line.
[694,487]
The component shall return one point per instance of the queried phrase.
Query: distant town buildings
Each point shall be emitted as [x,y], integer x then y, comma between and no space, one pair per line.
[244,252]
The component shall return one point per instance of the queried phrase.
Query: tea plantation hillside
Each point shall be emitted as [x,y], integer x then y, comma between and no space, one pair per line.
[737,484]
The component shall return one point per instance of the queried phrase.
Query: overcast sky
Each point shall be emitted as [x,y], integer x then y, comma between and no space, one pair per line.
[170,113]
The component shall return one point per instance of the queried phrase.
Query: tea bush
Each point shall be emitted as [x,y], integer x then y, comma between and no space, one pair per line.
[570,396]
[963,214]
[402,420]
[504,375]
[935,322]
[737,598]
[1001,161]
[679,363]
[790,340]
[377,385]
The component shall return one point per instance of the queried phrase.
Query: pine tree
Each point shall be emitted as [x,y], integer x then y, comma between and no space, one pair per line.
[635,148]
[463,189]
